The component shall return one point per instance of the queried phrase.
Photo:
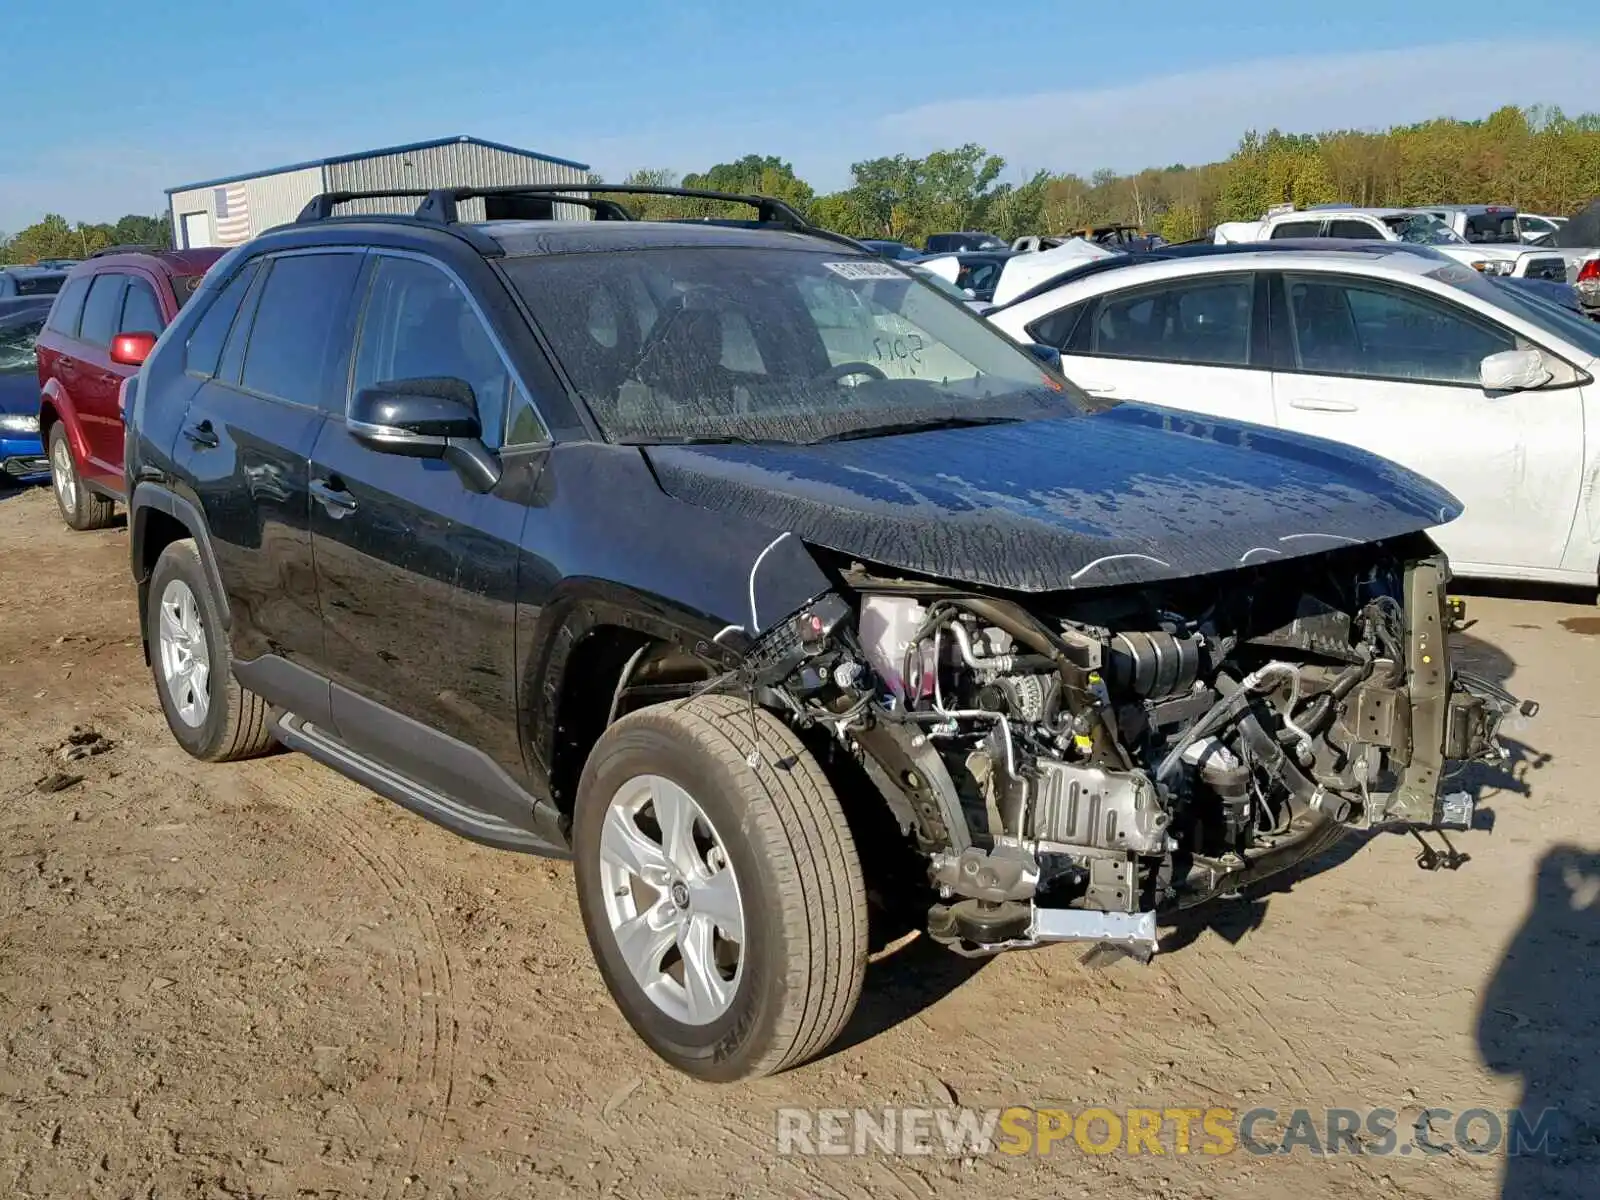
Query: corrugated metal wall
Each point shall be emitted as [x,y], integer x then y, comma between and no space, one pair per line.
[459,164]
[271,199]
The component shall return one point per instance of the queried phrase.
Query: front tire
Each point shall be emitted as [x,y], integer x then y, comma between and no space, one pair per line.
[212,717]
[724,903]
[80,508]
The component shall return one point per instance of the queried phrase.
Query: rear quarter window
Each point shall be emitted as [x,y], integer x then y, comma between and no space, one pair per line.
[68,308]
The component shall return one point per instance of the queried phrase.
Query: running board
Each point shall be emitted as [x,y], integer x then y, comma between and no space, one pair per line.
[300,734]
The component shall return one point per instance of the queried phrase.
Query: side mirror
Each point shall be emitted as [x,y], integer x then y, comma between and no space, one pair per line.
[426,418]
[131,349]
[1048,355]
[1514,371]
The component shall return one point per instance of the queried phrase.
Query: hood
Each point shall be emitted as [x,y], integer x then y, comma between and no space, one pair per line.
[19,392]
[1131,494]
[1484,252]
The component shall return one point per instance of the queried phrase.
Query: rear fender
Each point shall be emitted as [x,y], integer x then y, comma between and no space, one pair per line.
[55,404]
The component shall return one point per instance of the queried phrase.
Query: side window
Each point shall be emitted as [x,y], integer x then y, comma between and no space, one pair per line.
[1352,327]
[68,308]
[1297,229]
[1198,321]
[1056,329]
[296,329]
[141,311]
[102,309]
[1354,230]
[205,343]
[418,325]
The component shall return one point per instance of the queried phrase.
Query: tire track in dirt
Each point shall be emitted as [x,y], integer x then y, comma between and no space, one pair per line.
[344,821]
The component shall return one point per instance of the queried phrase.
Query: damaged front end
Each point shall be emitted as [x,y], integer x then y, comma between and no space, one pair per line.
[1070,765]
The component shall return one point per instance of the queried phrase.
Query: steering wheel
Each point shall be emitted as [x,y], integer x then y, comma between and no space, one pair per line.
[844,370]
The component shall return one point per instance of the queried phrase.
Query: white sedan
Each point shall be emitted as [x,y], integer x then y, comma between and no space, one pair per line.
[1479,386]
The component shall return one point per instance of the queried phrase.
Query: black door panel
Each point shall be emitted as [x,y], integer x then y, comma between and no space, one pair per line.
[418,583]
[246,458]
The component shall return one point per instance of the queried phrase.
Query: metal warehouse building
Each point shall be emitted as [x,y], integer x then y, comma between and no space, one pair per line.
[226,212]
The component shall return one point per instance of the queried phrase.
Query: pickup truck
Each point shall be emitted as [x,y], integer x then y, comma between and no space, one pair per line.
[1417,226]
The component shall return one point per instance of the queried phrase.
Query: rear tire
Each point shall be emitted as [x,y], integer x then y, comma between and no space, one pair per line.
[774,832]
[210,715]
[80,508]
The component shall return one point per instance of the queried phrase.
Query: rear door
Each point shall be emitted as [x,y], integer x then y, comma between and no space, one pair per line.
[271,355]
[1394,370]
[1196,343]
[417,575]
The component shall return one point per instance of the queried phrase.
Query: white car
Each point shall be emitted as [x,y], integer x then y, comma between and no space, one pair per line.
[1419,227]
[1475,384]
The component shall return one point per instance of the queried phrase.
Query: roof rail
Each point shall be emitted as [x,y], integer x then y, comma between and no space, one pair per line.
[441,204]
[127,248]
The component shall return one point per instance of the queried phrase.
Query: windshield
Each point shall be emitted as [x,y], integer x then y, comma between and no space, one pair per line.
[17,336]
[1493,228]
[727,343]
[1571,327]
[1422,229]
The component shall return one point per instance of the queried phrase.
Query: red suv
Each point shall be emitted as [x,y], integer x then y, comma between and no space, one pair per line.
[104,322]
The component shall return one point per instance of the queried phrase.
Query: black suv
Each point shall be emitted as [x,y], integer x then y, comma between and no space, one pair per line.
[737,564]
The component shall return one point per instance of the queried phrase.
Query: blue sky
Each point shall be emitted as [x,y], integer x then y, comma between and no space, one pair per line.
[97,129]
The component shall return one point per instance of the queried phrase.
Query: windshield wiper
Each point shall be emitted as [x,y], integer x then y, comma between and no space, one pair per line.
[699,439]
[891,428]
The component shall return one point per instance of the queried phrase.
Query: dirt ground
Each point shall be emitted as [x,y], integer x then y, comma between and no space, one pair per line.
[262,980]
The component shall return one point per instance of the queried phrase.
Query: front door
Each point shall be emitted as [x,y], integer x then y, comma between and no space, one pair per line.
[94,381]
[417,575]
[1395,370]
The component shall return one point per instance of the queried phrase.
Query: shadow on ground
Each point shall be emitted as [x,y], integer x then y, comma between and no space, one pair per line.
[1538,1022]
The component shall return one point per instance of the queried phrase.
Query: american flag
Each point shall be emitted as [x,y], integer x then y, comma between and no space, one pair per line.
[233,215]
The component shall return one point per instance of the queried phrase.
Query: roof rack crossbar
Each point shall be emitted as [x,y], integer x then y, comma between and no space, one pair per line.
[320,207]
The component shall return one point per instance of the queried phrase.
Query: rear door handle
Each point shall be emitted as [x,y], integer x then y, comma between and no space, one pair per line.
[1332,406]
[201,435]
[334,497]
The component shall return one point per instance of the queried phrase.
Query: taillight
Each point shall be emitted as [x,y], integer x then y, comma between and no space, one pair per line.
[1590,271]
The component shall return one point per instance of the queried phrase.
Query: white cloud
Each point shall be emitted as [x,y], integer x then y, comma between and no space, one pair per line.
[1198,116]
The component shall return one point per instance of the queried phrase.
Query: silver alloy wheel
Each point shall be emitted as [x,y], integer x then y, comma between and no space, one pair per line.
[185,657]
[65,475]
[672,899]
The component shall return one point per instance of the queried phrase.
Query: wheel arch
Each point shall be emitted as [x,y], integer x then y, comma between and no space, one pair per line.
[583,642]
[157,517]
[56,407]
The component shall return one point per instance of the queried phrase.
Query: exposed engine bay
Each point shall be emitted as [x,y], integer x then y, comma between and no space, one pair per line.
[1070,765]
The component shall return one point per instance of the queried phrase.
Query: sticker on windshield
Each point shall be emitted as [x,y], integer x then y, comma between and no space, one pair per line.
[865,269]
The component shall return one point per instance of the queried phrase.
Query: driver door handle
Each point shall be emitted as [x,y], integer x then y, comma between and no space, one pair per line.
[1328,406]
[334,497]
[201,434]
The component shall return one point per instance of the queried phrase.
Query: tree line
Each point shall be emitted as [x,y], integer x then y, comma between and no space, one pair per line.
[1539,159]
[54,238]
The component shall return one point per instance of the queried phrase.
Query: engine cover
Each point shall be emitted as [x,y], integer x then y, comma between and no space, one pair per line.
[1089,806]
